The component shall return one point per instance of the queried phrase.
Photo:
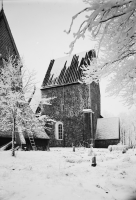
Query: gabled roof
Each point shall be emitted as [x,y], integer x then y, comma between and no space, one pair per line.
[7,43]
[66,70]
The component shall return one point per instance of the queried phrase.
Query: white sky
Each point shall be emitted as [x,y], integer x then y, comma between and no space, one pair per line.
[38,30]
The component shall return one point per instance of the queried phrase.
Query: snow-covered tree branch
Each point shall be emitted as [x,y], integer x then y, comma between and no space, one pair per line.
[15,111]
[112,24]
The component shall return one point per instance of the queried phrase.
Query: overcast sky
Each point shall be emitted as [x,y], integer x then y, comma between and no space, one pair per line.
[38,30]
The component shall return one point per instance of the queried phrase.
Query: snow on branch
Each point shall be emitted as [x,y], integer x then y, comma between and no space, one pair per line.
[104,16]
[112,24]
[14,107]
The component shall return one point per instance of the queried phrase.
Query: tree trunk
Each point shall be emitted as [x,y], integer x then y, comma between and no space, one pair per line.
[13,138]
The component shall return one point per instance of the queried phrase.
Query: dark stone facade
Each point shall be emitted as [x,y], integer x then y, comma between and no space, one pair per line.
[105,143]
[67,107]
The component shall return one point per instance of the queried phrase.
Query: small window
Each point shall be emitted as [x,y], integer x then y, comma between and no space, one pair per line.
[59,130]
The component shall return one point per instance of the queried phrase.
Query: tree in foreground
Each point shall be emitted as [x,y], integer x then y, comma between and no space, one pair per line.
[15,109]
[11,95]
[112,24]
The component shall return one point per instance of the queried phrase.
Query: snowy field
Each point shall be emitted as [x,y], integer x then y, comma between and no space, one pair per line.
[62,174]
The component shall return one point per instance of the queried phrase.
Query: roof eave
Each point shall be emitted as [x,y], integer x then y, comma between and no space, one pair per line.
[66,84]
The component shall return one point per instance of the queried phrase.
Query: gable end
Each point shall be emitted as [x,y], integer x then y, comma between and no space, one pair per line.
[7,43]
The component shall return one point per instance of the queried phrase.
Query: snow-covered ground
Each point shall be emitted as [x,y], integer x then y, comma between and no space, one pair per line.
[62,174]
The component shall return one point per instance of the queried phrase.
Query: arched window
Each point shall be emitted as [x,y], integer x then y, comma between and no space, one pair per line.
[59,130]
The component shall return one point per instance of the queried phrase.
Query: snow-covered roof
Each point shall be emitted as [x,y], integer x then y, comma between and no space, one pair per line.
[7,134]
[66,70]
[41,134]
[88,111]
[107,128]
